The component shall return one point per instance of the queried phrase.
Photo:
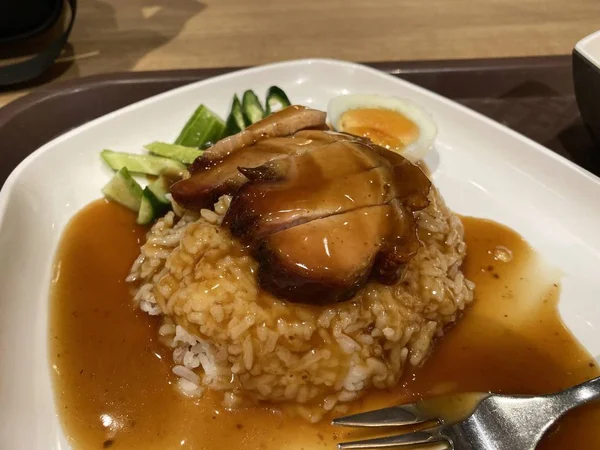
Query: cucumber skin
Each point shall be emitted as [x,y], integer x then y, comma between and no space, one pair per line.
[181,153]
[203,126]
[235,121]
[231,127]
[251,107]
[160,189]
[151,208]
[146,164]
[276,95]
[123,189]
[146,212]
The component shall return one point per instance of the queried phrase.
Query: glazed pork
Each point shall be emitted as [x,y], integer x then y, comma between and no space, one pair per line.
[323,221]
[328,259]
[216,172]
[322,211]
[281,123]
[333,177]
[340,175]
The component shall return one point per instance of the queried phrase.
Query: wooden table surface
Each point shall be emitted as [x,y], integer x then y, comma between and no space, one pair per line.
[124,35]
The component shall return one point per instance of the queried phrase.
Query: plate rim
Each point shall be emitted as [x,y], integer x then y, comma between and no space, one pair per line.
[541,151]
[12,179]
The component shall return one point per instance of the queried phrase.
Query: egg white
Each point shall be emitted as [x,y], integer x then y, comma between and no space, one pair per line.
[414,151]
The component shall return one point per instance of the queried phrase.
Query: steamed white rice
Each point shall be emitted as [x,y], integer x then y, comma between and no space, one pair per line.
[230,336]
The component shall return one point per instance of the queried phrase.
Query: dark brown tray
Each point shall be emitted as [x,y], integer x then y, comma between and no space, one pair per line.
[531,95]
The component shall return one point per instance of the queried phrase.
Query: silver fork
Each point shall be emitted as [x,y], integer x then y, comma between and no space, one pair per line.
[473,421]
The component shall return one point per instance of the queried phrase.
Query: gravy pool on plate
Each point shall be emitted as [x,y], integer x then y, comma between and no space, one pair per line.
[114,386]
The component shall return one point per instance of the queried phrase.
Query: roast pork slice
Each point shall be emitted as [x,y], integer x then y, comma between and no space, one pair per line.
[263,208]
[326,260]
[339,177]
[333,178]
[321,211]
[401,245]
[282,123]
[203,188]
[411,182]
[331,155]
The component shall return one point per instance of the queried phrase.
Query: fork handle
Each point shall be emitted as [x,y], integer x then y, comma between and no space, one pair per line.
[580,394]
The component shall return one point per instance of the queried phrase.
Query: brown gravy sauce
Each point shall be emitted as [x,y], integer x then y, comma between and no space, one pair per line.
[112,380]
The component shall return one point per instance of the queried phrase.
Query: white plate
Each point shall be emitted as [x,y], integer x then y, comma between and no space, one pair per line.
[482,168]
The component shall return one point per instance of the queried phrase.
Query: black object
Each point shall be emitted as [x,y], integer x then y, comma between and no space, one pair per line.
[24,19]
[533,96]
[586,78]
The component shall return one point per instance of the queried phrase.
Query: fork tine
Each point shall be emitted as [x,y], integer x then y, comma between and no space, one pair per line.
[402,440]
[386,417]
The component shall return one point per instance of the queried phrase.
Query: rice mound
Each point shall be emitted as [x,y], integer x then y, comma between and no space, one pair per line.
[228,335]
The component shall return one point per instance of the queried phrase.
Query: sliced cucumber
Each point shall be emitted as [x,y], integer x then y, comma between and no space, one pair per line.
[147,164]
[276,100]
[160,189]
[235,120]
[251,107]
[123,189]
[202,127]
[151,207]
[185,155]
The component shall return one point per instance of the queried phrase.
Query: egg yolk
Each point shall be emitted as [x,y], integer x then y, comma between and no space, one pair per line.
[384,127]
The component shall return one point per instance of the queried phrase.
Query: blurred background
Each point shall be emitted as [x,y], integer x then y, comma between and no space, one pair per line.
[134,35]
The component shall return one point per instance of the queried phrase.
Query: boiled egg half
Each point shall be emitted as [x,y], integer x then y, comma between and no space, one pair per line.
[394,123]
